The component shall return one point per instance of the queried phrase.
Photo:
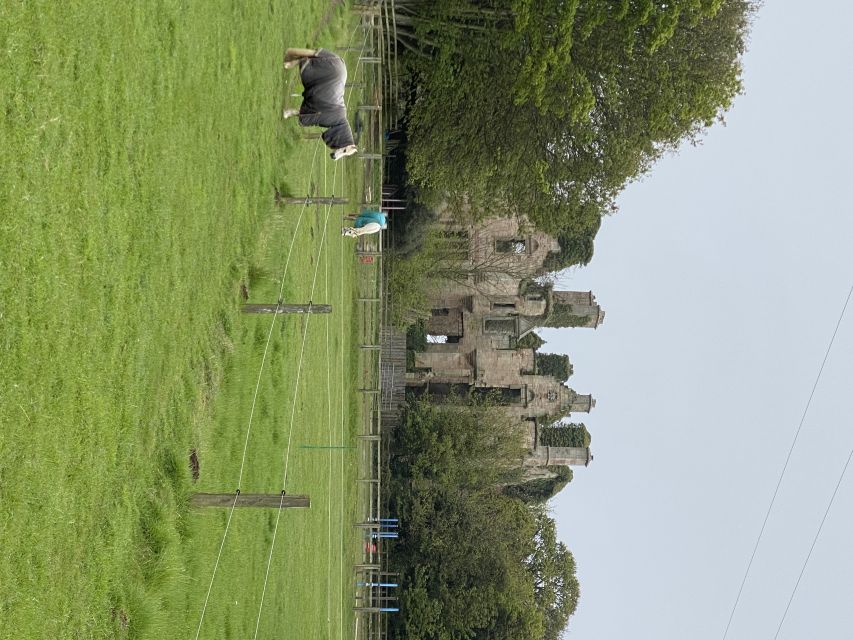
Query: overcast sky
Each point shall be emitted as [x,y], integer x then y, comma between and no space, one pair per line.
[723,276]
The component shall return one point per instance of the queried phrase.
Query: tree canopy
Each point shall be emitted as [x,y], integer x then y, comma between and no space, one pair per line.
[548,107]
[540,490]
[476,563]
[553,364]
[560,434]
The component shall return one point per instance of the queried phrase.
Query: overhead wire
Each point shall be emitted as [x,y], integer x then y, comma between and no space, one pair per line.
[814,542]
[785,466]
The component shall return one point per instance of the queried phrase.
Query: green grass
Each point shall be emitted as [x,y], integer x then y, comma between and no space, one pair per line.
[140,146]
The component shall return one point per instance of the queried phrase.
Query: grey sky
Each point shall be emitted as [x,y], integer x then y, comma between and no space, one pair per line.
[723,276]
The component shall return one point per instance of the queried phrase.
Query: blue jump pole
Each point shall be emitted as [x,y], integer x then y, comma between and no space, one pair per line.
[377,584]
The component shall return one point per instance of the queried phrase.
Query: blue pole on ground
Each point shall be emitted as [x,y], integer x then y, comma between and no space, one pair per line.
[377,584]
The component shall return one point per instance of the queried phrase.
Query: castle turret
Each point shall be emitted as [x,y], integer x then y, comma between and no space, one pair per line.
[559,457]
[573,402]
[574,309]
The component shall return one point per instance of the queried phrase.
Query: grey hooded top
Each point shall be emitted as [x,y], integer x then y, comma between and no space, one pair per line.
[324,77]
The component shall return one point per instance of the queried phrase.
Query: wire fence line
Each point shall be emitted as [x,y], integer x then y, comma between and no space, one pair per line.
[370,622]
[252,413]
[307,321]
[318,144]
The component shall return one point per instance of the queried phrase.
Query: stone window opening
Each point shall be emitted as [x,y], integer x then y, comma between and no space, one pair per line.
[504,396]
[514,246]
[499,325]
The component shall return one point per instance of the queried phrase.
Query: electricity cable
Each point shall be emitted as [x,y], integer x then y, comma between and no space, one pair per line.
[785,466]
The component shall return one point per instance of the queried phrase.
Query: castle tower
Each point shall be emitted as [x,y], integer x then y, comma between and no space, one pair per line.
[574,309]
[574,402]
[559,457]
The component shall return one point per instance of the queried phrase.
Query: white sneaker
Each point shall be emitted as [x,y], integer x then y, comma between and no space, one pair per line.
[289,113]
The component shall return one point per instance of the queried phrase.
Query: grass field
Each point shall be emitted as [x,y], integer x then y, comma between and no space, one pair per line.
[140,144]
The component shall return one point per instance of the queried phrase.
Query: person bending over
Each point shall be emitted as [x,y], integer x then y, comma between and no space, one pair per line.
[366,223]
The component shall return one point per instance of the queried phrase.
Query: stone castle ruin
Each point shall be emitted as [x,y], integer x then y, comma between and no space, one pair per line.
[478,319]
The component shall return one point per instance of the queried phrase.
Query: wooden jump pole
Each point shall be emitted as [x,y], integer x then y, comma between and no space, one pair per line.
[254,500]
[286,308]
[315,200]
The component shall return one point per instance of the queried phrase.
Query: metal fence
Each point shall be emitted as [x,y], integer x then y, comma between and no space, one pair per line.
[381,349]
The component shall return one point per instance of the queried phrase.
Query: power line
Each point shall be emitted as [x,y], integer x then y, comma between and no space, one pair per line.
[814,542]
[785,466]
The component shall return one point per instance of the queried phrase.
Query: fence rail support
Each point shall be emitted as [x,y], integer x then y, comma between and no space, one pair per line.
[256,500]
[315,200]
[286,308]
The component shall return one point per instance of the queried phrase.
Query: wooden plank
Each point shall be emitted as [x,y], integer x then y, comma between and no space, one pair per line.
[315,200]
[286,308]
[256,500]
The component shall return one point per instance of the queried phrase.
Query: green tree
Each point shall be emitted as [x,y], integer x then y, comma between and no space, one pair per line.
[555,586]
[553,364]
[530,341]
[560,434]
[463,546]
[548,107]
[540,490]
